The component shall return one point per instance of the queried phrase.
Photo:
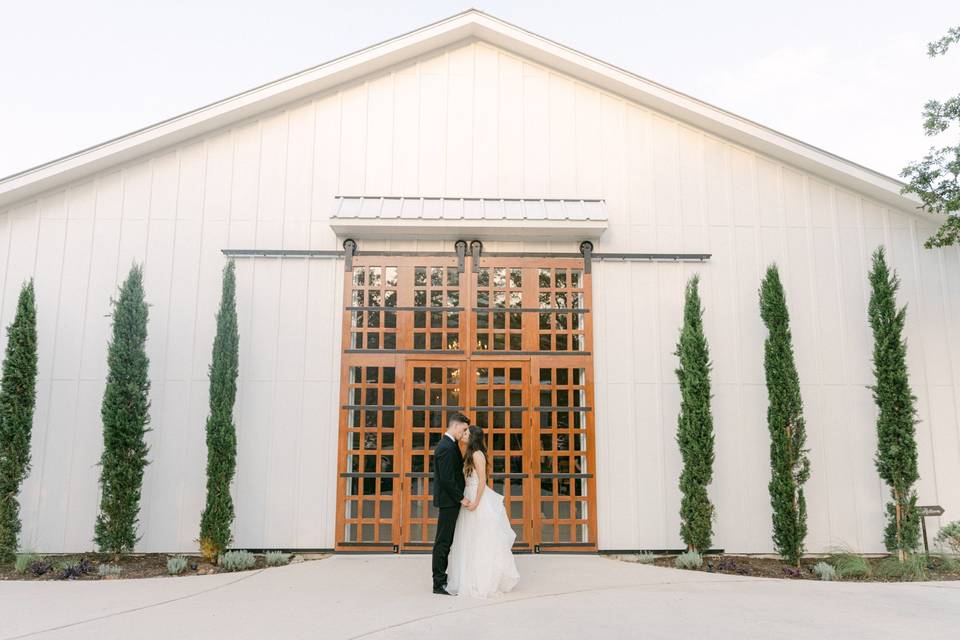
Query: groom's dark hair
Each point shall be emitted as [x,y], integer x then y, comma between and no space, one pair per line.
[458,417]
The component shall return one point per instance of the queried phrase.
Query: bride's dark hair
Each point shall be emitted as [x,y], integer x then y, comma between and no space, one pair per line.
[476,442]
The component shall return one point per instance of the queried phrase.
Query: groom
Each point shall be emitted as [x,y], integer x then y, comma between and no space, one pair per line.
[448,483]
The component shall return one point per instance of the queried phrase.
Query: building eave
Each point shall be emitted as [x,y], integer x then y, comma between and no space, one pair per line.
[465,25]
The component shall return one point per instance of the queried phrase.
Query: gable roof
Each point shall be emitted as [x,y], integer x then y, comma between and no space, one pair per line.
[468,24]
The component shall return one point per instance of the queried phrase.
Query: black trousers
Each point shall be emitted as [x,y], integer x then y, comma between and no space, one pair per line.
[446,523]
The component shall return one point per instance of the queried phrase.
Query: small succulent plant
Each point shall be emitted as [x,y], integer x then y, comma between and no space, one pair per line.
[689,560]
[176,565]
[277,558]
[824,571]
[237,560]
[108,570]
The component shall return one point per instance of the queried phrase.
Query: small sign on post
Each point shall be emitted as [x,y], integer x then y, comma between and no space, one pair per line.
[925,511]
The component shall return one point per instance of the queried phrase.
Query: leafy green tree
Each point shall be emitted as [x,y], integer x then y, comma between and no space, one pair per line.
[789,464]
[221,433]
[896,457]
[18,392]
[125,413]
[936,178]
[695,425]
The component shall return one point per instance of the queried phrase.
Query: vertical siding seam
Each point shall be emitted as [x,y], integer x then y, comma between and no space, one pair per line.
[864,298]
[193,342]
[366,136]
[53,351]
[844,337]
[393,133]
[658,330]
[276,344]
[83,323]
[166,335]
[419,143]
[737,334]
[922,313]
[339,142]
[253,267]
[811,279]
[306,318]
[757,275]
[945,294]
[446,124]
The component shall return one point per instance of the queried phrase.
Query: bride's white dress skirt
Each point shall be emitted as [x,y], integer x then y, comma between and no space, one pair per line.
[481,561]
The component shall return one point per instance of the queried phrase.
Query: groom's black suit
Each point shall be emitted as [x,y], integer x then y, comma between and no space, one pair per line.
[448,484]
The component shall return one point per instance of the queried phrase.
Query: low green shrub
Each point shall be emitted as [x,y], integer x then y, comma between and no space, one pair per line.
[824,571]
[850,565]
[944,562]
[913,568]
[23,561]
[237,560]
[949,536]
[176,565]
[689,560]
[277,558]
[645,557]
[108,570]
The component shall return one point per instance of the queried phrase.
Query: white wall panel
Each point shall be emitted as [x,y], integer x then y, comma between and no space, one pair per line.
[473,120]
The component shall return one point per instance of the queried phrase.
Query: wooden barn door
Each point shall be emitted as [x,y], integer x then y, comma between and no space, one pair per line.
[507,341]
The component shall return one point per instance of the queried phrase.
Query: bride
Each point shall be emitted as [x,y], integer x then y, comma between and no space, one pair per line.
[481,563]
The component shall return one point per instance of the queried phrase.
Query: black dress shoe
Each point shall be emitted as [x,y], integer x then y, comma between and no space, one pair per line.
[441,592]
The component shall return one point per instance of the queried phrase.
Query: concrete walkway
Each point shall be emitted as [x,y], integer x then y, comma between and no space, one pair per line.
[377,597]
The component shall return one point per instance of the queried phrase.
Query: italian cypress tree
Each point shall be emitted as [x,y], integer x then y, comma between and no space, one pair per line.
[17,401]
[695,425]
[789,464]
[125,413]
[221,434]
[896,457]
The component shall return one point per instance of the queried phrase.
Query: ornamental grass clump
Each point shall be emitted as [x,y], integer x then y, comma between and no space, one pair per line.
[689,560]
[107,570]
[237,560]
[850,565]
[912,567]
[23,561]
[277,558]
[824,571]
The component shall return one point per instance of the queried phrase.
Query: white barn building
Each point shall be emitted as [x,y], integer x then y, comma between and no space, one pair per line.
[471,130]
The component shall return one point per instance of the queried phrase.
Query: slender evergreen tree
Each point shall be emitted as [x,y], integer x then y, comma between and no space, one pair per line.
[17,401]
[789,464]
[695,425]
[896,457]
[221,434]
[125,413]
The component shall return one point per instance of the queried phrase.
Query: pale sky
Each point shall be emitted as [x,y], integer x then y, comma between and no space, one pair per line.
[847,76]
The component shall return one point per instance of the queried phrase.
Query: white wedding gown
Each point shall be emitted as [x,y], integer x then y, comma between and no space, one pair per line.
[481,562]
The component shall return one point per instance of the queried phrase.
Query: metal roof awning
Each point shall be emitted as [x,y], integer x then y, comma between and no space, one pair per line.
[481,218]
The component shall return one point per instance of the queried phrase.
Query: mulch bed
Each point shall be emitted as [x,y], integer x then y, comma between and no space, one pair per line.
[145,565]
[774,568]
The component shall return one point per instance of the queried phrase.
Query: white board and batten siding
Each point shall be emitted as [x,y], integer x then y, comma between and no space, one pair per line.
[472,120]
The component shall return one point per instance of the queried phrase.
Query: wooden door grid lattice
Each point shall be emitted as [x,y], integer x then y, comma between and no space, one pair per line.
[507,341]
